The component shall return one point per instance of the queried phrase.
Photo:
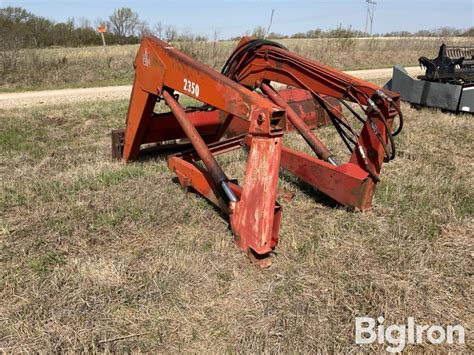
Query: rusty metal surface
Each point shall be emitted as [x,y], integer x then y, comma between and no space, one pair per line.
[196,140]
[314,142]
[164,126]
[302,102]
[347,184]
[255,219]
[171,68]
[216,148]
[260,120]
[139,113]
[279,65]
[191,175]
[270,63]
[368,139]
[307,108]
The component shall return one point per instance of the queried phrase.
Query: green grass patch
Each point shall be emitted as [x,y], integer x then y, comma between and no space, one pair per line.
[46,263]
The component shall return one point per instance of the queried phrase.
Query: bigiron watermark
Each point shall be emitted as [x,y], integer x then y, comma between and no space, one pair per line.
[369,330]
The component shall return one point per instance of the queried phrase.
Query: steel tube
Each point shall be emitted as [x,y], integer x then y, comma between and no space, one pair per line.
[230,194]
[199,145]
[314,142]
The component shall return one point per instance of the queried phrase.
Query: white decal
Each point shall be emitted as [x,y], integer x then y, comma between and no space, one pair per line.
[191,87]
[146,58]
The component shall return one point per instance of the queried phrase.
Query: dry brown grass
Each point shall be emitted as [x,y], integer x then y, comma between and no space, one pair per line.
[53,68]
[94,250]
[86,67]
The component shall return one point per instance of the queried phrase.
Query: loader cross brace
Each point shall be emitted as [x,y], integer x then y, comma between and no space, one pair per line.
[242,108]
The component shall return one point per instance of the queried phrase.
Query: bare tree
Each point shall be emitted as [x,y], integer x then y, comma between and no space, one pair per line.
[84,22]
[159,29]
[259,32]
[171,34]
[144,29]
[124,22]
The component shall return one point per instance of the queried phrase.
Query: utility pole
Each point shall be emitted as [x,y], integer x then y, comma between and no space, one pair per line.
[269,25]
[370,15]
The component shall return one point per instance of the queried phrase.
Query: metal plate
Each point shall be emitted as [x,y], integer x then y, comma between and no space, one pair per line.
[466,104]
[426,93]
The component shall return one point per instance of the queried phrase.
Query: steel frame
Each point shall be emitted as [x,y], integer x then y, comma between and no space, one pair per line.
[234,107]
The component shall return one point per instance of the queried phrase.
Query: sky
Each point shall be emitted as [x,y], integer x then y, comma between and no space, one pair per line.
[233,18]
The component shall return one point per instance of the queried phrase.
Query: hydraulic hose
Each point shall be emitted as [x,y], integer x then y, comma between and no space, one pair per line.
[401,119]
[240,52]
[372,107]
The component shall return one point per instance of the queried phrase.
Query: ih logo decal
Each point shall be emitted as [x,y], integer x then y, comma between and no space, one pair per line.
[146,58]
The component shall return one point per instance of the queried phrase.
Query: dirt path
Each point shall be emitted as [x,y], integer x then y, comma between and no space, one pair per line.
[48,97]
[36,98]
[370,74]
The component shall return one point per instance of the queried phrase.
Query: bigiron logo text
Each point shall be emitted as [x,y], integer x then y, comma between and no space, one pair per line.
[370,330]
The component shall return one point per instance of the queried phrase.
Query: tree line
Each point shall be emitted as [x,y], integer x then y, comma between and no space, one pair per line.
[20,28]
[348,32]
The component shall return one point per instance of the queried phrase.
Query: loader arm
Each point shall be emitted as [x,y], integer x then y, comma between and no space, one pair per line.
[263,116]
[257,63]
[272,63]
[160,67]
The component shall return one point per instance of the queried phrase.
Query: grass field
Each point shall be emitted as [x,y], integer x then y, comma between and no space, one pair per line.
[86,67]
[101,256]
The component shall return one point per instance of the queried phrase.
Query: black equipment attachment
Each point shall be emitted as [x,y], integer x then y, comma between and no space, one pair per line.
[448,82]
